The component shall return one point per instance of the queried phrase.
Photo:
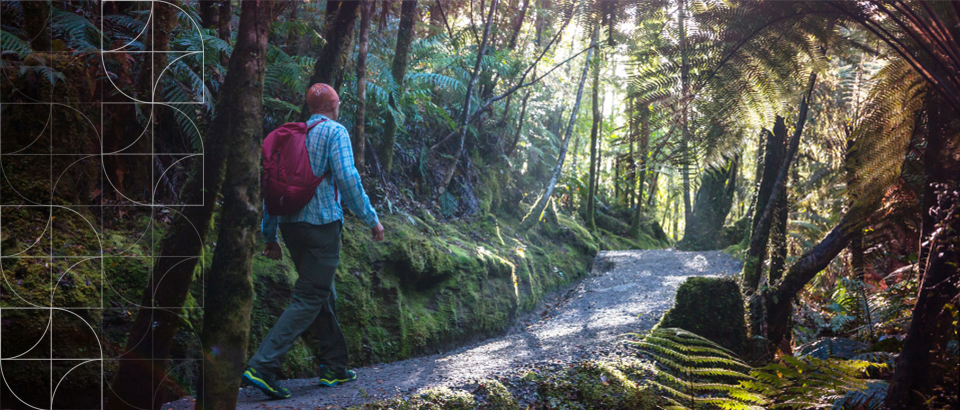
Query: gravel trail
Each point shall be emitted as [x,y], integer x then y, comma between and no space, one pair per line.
[627,292]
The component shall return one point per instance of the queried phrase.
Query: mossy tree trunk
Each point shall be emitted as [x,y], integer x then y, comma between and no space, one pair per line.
[932,326]
[359,132]
[536,212]
[405,36]
[332,60]
[228,295]
[589,222]
[713,202]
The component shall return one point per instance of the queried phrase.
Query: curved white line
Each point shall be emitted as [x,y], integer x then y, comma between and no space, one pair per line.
[4,377]
[157,186]
[65,376]
[45,126]
[45,331]
[92,330]
[49,225]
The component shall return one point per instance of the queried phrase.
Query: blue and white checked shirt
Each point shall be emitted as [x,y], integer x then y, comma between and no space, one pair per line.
[329,147]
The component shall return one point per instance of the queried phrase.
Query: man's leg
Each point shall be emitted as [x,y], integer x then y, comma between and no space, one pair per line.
[332,346]
[320,247]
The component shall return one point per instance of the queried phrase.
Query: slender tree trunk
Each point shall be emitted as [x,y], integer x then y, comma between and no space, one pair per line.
[465,116]
[226,17]
[644,134]
[359,133]
[536,212]
[36,24]
[332,60]
[589,221]
[135,384]
[519,131]
[930,324]
[518,25]
[405,36]
[685,113]
[209,11]
[229,293]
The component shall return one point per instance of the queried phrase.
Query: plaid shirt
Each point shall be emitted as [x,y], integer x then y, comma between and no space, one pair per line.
[329,147]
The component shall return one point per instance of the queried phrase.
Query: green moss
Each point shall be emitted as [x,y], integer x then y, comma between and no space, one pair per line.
[712,308]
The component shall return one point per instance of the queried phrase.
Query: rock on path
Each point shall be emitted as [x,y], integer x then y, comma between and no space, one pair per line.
[628,292]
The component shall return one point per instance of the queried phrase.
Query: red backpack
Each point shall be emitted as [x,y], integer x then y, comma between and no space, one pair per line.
[288,180]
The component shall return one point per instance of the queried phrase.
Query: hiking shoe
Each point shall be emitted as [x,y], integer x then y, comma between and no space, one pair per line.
[329,378]
[268,385]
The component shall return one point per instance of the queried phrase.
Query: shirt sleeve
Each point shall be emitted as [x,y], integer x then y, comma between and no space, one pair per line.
[348,179]
[269,226]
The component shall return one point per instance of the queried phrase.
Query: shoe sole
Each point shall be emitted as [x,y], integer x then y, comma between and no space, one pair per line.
[334,382]
[263,386]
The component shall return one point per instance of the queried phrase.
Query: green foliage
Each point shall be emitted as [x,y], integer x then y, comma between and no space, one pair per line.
[693,372]
[10,43]
[817,383]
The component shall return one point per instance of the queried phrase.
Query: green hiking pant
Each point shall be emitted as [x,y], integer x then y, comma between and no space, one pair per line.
[315,250]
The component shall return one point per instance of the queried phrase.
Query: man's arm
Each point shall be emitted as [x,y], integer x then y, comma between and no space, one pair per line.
[269,229]
[348,179]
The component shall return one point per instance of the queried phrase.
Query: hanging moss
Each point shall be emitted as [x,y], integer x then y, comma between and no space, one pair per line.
[712,308]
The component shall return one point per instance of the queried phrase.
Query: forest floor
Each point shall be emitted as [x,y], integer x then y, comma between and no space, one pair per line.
[628,292]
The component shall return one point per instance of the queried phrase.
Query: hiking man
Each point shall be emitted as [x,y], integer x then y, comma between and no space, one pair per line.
[312,236]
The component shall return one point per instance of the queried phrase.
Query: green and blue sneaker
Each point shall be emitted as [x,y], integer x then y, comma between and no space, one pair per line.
[329,378]
[267,384]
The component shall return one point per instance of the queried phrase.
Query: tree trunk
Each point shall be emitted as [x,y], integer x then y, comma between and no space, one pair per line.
[644,113]
[778,302]
[36,24]
[778,237]
[359,133]
[518,25]
[714,199]
[209,11]
[332,60]
[228,295]
[930,323]
[465,116]
[516,136]
[753,263]
[536,212]
[226,17]
[405,36]
[589,221]
[685,113]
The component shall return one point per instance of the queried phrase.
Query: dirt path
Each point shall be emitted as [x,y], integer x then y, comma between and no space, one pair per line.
[629,293]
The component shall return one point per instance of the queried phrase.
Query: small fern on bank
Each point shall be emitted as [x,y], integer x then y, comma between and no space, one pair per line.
[692,372]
